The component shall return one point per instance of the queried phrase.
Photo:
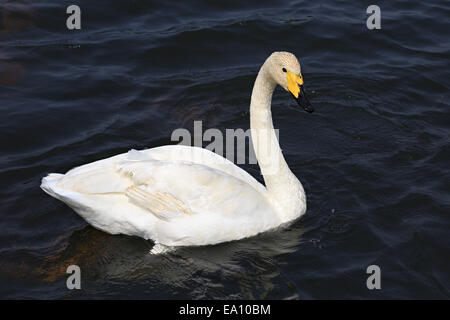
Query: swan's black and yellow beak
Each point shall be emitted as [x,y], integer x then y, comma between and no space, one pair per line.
[295,87]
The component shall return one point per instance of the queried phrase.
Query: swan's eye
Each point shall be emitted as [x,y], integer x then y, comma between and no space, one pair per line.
[284,69]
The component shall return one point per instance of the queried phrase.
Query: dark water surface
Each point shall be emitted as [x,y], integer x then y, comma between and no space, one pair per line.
[373,158]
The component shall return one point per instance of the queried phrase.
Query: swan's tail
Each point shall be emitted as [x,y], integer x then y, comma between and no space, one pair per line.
[49,182]
[95,193]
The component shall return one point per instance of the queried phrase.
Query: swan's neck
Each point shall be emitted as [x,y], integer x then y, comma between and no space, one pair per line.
[282,185]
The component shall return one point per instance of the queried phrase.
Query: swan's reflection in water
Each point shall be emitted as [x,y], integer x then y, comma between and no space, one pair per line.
[250,268]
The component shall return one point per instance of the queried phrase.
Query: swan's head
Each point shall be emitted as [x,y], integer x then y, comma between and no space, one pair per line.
[285,71]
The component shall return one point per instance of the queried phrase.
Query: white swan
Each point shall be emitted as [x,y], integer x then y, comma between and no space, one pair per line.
[182,196]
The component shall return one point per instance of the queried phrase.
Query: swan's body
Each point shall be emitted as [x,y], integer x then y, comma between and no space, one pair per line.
[179,195]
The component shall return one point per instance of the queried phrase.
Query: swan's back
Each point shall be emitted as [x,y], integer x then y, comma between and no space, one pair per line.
[78,178]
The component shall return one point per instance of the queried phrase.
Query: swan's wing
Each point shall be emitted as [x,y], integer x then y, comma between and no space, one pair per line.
[196,204]
[162,205]
[206,184]
[177,188]
[172,153]
[197,156]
